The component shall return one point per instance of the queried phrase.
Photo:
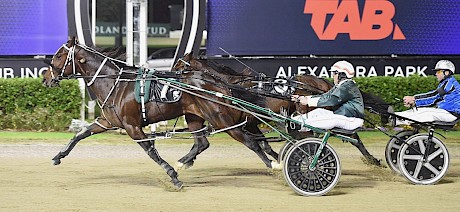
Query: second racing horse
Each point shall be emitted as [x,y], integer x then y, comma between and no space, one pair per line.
[301,84]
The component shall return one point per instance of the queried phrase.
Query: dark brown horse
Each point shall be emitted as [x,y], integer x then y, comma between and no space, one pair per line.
[278,103]
[114,90]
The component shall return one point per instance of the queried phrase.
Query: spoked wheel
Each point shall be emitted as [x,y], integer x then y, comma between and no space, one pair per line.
[284,149]
[317,181]
[293,130]
[393,147]
[418,169]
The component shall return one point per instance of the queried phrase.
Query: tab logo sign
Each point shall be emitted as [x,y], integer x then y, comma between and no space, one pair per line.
[375,22]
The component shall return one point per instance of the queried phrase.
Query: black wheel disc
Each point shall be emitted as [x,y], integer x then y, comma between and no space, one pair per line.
[317,181]
[424,170]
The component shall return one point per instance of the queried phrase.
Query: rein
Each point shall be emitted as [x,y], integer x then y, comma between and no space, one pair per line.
[256,89]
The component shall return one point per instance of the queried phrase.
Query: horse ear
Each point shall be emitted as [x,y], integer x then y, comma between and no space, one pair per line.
[246,71]
[71,42]
[188,56]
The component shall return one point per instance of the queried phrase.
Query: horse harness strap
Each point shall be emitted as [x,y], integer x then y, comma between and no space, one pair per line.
[104,127]
[231,127]
[70,58]
[97,72]
[142,95]
[200,132]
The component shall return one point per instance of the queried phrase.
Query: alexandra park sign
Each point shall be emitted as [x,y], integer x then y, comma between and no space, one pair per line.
[113,29]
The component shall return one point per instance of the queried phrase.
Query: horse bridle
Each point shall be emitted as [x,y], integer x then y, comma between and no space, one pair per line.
[69,59]
[187,64]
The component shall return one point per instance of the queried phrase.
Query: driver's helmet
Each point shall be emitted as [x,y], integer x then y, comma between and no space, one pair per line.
[344,66]
[445,65]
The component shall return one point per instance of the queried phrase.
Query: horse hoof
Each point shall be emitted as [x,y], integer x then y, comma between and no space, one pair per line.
[56,162]
[378,163]
[178,166]
[373,161]
[188,165]
[178,184]
[276,166]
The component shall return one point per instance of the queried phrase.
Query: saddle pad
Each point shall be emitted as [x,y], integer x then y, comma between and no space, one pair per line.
[160,92]
[153,90]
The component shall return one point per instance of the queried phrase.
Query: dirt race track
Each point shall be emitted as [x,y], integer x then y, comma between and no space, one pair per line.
[224,178]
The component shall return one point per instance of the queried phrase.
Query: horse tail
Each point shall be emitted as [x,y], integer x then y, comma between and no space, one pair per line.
[373,101]
[377,104]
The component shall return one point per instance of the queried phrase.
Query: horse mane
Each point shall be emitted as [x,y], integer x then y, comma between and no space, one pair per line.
[113,52]
[241,93]
[223,69]
[237,91]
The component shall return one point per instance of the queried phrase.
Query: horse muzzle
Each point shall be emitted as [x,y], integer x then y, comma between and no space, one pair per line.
[51,83]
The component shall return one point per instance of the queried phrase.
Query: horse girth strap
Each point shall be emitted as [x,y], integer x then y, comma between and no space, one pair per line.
[147,88]
[143,85]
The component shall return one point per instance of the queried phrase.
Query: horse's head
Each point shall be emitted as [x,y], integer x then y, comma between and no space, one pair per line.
[60,65]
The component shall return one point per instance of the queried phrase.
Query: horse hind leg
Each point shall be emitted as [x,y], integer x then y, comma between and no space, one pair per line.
[253,145]
[201,143]
[84,133]
[268,149]
[255,132]
[360,145]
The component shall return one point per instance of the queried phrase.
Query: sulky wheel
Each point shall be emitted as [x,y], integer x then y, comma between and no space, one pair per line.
[393,147]
[418,169]
[284,149]
[317,181]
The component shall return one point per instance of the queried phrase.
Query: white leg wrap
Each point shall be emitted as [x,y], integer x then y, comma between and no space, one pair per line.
[276,166]
[178,166]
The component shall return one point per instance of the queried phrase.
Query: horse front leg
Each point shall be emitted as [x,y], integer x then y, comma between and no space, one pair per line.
[201,142]
[360,145]
[148,145]
[92,129]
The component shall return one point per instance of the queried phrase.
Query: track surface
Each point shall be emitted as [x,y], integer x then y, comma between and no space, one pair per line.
[224,178]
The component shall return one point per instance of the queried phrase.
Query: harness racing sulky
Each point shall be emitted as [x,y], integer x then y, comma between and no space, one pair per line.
[236,103]
[416,152]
